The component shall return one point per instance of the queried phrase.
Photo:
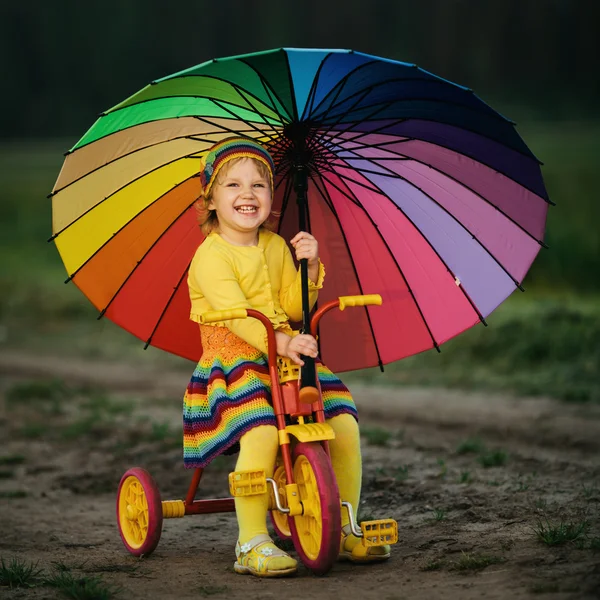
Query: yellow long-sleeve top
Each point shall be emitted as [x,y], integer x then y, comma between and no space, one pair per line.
[223,276]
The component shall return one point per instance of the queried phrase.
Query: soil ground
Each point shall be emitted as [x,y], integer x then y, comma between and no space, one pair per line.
[466,530]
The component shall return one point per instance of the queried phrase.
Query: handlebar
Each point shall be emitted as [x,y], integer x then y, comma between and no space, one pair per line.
[342,302]
[367,300]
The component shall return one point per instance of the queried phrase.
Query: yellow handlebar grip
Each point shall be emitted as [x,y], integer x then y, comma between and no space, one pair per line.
[366,300]
[223,315]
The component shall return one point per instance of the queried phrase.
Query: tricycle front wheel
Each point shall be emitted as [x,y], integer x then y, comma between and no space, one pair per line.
[317,531]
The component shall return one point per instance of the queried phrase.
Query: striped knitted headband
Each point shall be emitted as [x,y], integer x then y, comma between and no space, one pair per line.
[228,149]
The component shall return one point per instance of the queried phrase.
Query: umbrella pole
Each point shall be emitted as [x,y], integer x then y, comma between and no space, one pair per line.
[308,374]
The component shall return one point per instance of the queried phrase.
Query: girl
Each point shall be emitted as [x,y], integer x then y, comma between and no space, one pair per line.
[241,264]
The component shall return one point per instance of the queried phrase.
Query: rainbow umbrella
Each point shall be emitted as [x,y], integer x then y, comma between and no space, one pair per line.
[415,188]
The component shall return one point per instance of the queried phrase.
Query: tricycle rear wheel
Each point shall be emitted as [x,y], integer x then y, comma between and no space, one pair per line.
[139,512]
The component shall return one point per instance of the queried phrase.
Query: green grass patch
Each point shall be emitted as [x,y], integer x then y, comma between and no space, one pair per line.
[12,460]
[46,396]
[12,494]
[470,446]
[16,572]
[439,514]
[472,561]
[433,565]
[465,477]
[554,534]
[493,458]
[81,587]
[376,436]
[534,345]
[543,587]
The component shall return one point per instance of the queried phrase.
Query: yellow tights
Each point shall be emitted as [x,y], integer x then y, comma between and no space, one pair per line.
[258,450]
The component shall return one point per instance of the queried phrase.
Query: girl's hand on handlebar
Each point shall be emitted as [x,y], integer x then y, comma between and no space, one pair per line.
[301,344]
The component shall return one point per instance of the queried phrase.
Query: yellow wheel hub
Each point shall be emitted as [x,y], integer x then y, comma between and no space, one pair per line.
[133,512]
[281,519]
[309,523]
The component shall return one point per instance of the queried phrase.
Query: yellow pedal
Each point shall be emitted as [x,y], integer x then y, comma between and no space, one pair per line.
[379,533]
[247,483]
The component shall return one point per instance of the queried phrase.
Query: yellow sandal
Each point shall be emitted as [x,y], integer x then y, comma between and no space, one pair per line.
[351,549]
[262,558]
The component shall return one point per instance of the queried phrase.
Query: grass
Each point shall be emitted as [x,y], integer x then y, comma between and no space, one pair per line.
[555,534]
[376,436]
[534,345]
[493,458]
[399,473]
[470,446]
[543,587]
[433,565]
[81,587]
[439,514]
[16,573]
[465,477]
[46,396]
[471,561]
[12,460]
[12,494]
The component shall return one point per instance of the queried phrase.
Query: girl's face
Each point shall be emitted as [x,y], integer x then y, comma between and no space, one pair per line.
[241,196]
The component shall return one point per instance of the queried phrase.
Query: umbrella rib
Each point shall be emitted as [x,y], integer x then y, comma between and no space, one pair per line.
[139,262]
[235,131]
[348,115]
[394,175]
[87,260]
[291,83]
[342,82]
[349,128]
[241,93]
[489,112]
[461,183]
[162,314]
[313,88]
[402,119]
[109,112]
[187,136]
[411,139]
[268,89]
[461,287]
[104,137]
[349,195]
[329,202]
[238,118]
[286,197]
[89,210]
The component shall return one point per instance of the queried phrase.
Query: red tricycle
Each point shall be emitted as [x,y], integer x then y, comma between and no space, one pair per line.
[304,499]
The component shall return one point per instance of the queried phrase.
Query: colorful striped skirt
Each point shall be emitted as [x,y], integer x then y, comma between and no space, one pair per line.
[230,393]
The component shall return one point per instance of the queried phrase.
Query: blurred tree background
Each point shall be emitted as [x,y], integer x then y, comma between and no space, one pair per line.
[536,61]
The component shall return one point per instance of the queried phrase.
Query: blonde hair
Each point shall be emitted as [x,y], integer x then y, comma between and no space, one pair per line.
[208,219]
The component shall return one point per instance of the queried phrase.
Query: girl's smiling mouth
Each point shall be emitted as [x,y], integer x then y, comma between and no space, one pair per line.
[246,209]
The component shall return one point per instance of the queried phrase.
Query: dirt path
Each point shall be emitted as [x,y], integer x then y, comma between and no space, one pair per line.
[466,531]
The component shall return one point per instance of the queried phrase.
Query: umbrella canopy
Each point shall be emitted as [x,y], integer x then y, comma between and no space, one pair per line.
[417,190]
